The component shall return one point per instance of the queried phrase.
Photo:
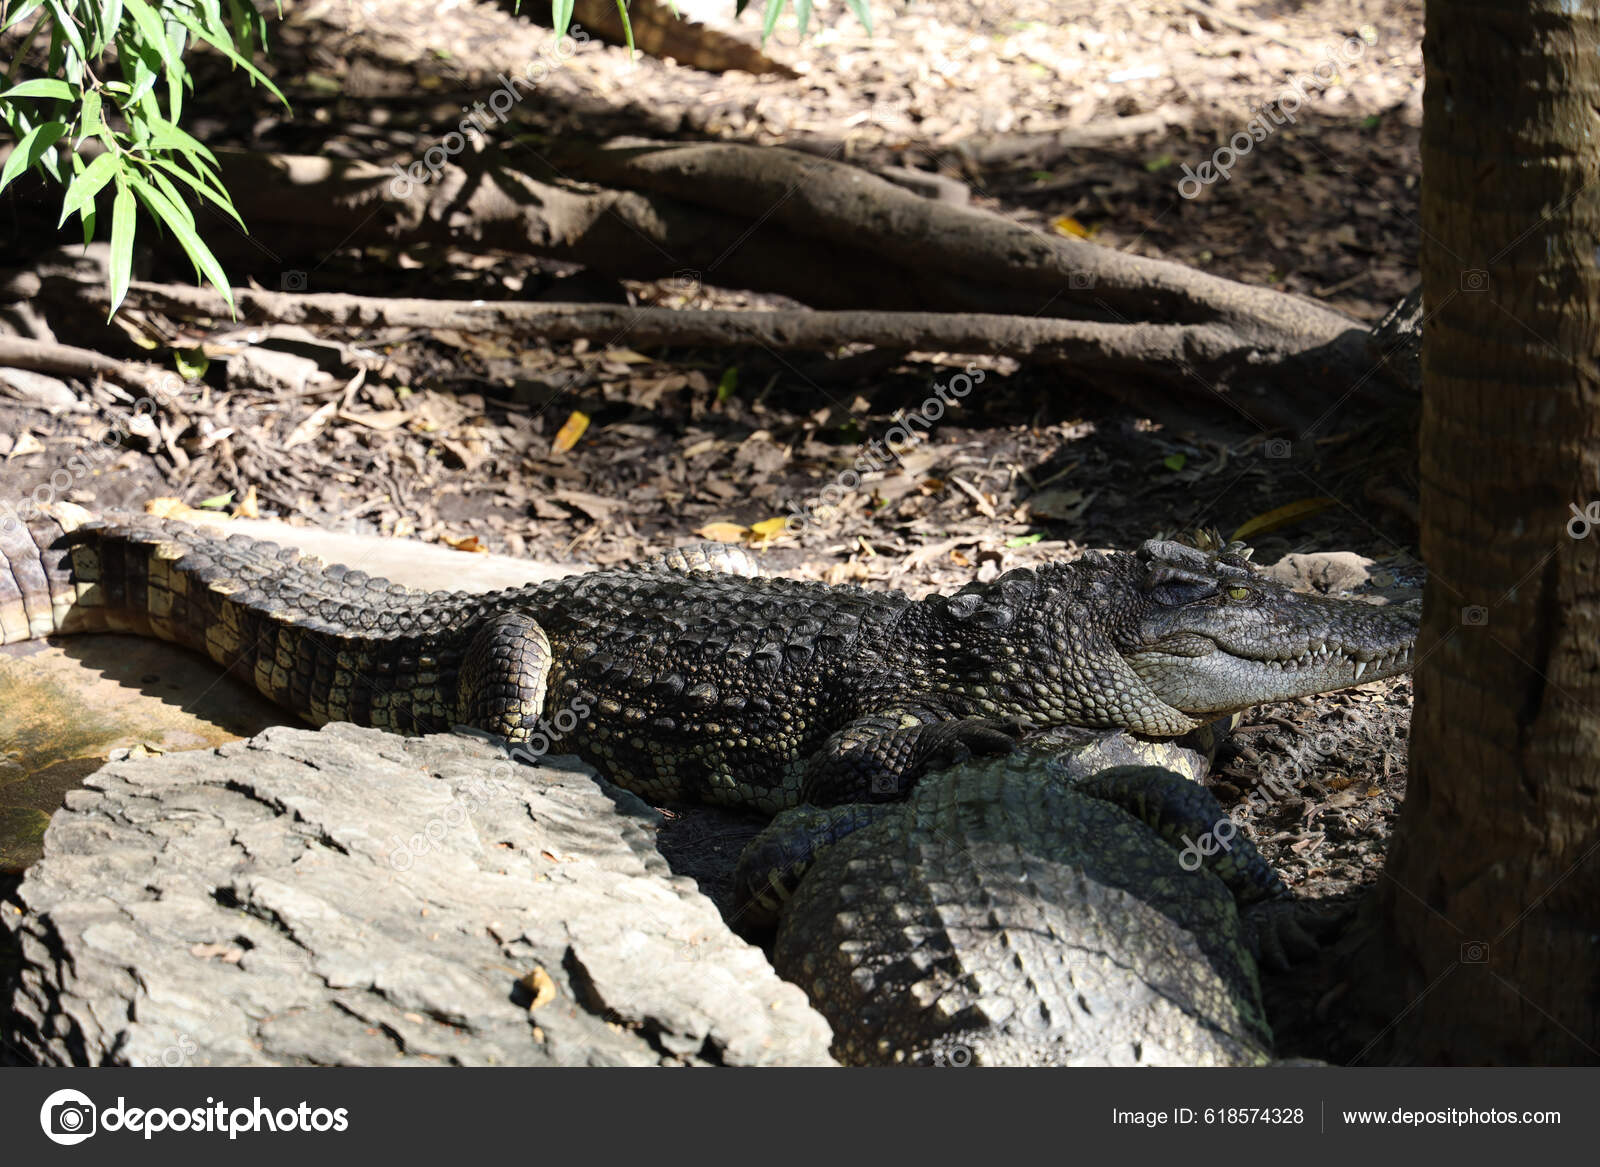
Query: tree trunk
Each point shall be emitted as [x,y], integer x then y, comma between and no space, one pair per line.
[1491,898]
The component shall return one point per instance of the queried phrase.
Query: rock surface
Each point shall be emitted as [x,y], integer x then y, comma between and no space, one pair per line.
[350,897]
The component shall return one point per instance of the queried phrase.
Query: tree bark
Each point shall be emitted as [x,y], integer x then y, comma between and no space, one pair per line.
[1490,905]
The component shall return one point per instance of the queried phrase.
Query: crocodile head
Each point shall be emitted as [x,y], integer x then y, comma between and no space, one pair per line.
[1207,634]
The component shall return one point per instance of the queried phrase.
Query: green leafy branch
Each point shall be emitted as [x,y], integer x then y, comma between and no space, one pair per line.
[97,119]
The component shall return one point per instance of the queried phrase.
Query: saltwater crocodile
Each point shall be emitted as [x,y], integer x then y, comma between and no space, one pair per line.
[1011,913]
[688,678]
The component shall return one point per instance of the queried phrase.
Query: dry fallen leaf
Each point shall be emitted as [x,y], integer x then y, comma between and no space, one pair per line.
[249,506]
[167,507]
[541,989]
[469,543]
[26,443]
[311,426]
[1067,225]
[768,529]
[569,433]
[391,420]
[1066,504]
[1281,517]
[724,532]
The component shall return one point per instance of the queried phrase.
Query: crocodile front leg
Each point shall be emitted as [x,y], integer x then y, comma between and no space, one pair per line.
[878,758]
[771,865]
[503,678]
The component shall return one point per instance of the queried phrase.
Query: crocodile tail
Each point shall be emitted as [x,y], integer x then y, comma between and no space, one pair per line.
[38,595]
[328,643]
[66,571]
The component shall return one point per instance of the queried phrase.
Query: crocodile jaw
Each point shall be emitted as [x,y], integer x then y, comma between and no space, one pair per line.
[1214,680]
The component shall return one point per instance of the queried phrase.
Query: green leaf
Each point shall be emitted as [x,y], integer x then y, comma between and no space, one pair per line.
[205,190]
[110,20]
[21,12]
[23,50]
[863,14]
[29,150]
[123,210]
[90,118]
[729,384]
[561,16]
[166,136]
[192,364]
[1174,461]
[802,14]
[216,502]
[41,87]
[153,34]
[627,27]
[1023,540]
[770,21]
[83,189]
[173,197]
[194,247]
[227,50]
[68,27]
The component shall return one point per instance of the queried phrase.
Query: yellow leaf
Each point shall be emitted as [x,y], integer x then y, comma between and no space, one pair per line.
[1281,517]
[570,432]
[470,543]
[540,988]
[1067,225]
[768,529]
[724,532]
[249,507]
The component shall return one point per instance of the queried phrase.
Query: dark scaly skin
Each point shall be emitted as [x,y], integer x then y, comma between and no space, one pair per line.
[683,679]
[1008,913]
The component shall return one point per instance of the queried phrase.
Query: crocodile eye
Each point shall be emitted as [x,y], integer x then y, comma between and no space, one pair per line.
[1238,593]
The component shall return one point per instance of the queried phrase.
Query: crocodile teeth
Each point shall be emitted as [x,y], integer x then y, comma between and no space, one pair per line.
[1361,667]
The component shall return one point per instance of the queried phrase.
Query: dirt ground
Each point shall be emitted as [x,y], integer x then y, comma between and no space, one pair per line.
[464,439]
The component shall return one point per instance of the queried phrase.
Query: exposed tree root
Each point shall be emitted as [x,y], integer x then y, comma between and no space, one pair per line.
[897,269]
[1096,352]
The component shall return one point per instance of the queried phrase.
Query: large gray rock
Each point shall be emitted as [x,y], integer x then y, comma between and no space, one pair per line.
[351,897]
